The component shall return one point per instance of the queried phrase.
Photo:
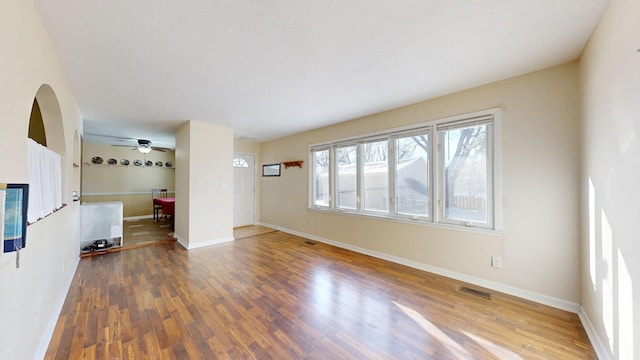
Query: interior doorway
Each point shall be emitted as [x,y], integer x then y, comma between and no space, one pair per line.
[244,189]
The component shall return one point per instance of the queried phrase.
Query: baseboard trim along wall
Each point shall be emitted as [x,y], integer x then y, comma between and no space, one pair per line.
[189,246]
[55,314]
[141,217]
[598,345]
[601,350]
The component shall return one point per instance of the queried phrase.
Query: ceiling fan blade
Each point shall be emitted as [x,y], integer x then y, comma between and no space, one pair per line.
[123,145]
[112,137]
[161,149]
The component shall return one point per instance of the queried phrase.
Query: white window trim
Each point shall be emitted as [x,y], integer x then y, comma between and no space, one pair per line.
[434,219]
[439,165]
[393,211]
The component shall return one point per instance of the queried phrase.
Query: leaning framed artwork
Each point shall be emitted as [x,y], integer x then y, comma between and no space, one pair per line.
[14,201]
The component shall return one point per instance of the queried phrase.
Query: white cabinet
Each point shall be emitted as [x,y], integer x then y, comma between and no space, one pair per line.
[101,221]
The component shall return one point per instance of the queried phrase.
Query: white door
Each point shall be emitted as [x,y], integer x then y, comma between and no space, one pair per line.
[244,185]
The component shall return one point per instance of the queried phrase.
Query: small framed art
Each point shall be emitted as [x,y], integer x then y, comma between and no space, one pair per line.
[271,170]
[14,200]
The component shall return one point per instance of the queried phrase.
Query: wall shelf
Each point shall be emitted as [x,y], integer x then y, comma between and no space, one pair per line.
[288,164]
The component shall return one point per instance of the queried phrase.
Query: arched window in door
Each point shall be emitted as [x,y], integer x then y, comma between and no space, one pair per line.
[240,162]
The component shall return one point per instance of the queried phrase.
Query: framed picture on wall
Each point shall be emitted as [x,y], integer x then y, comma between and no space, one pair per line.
[271,170]
[14,200]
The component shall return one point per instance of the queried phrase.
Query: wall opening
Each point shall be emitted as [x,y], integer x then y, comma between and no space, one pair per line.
[36,125]
[47,170]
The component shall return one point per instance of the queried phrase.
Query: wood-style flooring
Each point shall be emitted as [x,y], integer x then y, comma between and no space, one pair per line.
[145,231]
[278,296]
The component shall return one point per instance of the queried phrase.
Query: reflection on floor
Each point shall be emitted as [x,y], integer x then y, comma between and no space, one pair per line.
[250,230]
[145,231]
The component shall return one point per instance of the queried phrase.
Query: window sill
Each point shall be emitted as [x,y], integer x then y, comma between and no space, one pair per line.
[46,216]
[419,222]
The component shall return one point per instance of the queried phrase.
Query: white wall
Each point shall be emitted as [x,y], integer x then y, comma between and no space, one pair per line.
[610,180]
[540,196]
[31,296]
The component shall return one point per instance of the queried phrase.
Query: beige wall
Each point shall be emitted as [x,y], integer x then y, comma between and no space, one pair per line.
[183,179]
[32,295]
[539,245]
[610,178]
[130,184]
[204,191]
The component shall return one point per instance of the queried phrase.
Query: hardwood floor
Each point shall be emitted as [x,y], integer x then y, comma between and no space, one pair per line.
[145,231]
[278,296]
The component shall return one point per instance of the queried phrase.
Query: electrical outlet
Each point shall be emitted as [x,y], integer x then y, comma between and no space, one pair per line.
[216,227]
[311,223]
[496,262]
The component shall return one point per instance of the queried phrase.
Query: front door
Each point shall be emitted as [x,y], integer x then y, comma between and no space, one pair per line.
[244,188]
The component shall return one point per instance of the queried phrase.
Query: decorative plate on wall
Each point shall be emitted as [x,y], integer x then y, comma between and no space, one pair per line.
[159,163]
[124,162]
[148,163]
[97,160]
[168,164]
[137,162]
[112,161]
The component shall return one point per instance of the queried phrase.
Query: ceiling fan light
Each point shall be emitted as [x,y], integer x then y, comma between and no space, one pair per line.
[144,149]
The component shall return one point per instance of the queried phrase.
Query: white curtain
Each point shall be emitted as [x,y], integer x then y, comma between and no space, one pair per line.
[45,181]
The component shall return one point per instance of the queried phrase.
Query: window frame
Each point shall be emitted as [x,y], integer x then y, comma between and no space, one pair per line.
[435,169]
[440,166]
[361,169]
[312,184]
[333,174]
[393,138]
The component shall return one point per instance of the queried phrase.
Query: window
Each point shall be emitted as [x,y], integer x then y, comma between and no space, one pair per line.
[437,172]
[466,176]
[412,183]
[346,178]
[375,158]
[320,177]
[240,162]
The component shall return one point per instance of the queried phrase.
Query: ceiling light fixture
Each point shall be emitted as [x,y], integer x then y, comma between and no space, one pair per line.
[144,149]
[144,146]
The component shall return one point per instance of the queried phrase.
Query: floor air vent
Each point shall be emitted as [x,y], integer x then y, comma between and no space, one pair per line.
[482,294]
[309,242]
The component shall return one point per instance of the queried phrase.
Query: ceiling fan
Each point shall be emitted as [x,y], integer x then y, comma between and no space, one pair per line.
[142,145]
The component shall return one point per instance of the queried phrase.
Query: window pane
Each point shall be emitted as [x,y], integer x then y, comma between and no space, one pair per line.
[347,180]
[321,178]
[376,176]
[465,174]
[412,175]
[240,162]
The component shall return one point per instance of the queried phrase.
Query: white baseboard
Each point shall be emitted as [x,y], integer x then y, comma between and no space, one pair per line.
[525,294]
[55,314]
[602,351]
[181,241]
[130,218]
[189,246]
[211,242]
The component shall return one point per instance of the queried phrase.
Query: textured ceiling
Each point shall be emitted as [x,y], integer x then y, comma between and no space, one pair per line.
[273,68]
